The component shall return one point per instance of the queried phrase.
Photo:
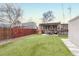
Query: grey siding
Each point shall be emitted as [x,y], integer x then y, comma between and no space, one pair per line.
[74,31]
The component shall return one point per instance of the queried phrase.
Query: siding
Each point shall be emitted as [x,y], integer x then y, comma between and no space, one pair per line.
[74,31]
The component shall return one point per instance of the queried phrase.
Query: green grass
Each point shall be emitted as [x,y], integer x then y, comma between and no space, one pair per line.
[63,36]
[35,45]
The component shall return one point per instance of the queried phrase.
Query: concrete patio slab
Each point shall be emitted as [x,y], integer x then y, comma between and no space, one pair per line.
[72,47]
[5,42]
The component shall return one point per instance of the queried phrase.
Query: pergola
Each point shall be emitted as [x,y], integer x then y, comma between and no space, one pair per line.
[50,28]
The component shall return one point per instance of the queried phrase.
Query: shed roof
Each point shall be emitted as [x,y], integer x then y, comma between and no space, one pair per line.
[77,17]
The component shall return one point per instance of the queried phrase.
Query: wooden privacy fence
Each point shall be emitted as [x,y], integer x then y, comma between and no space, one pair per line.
[7,33]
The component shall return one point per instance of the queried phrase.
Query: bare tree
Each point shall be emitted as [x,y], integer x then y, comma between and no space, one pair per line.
[48,16]
[10,13]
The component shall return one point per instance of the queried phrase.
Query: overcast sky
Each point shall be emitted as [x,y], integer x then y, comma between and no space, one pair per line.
[35,10]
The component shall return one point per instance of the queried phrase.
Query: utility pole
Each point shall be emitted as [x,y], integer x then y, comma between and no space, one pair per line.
[70,12]
[63,11]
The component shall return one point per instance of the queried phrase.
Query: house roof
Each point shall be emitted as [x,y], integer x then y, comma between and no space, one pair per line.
[64,24]
[30,25]
[6,25]
[56,23]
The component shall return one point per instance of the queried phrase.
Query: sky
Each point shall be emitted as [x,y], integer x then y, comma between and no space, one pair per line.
[34,11]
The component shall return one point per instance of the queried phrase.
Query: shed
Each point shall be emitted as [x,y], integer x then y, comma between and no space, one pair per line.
[74,30]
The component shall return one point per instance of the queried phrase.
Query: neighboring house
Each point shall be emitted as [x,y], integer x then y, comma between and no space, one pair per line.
[54,28]
[74,30]
[30,25]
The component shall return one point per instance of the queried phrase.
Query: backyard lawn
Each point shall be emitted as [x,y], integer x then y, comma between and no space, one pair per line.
[36,45]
